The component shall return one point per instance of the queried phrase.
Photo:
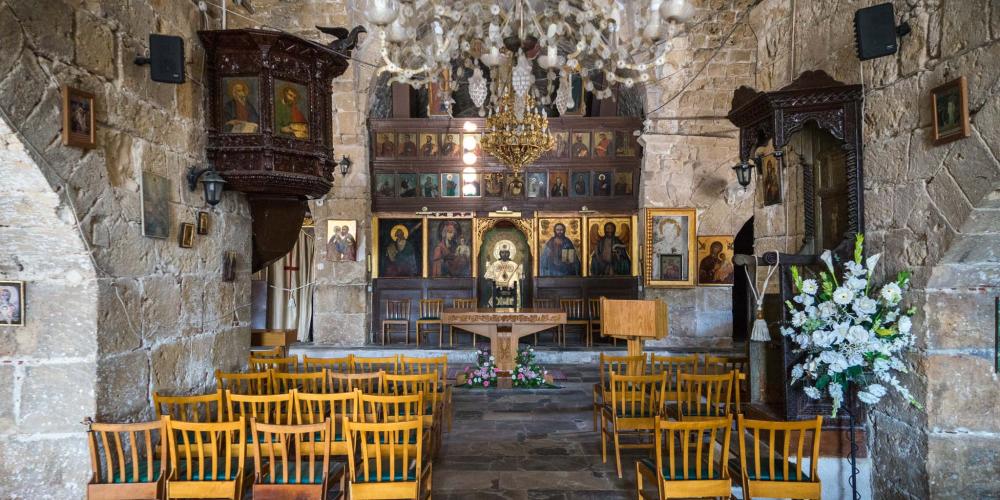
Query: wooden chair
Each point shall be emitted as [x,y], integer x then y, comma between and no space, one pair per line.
[127,461]
[203,408]
[200,471]
[314,382]
[576,314]
[634,402]
[341,365]
[771,472]
[672,365]
[366,382]
[270,409]
[397,313]
[430,317]
[268,352]
[547,304]
[388,364]
[374,408]
[335,410]
[461,304]
[384,464]
[701,397]
[253,383]
[594,310]
[428,385]
[295,468]
[287,365]
[715,365]
[419,365]
[622,365]
[681,475]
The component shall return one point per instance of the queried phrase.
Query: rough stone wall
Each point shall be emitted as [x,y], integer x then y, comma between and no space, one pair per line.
[690,151]
[164,316]
[48,368]
[931,209]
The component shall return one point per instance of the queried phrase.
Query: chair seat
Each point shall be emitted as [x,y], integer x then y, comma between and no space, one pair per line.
[279,478]
[679,474]
[429,318]
[395,321]
[373,477]
[765,471]
[143,474]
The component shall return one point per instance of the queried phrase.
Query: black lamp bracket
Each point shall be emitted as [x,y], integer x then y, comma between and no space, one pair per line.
[195,173]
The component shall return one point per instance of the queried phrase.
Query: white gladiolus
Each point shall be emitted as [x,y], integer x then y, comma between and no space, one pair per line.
[843,296]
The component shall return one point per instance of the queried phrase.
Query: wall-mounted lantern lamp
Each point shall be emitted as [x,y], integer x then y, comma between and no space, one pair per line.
[345,165]
[210,179]
[744,170]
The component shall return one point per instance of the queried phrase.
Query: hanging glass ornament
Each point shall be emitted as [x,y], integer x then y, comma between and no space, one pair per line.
[522,77]
[477,88]
[564,97]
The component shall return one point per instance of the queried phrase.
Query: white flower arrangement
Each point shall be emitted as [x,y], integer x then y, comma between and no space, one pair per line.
[527,373]
[850,333]
[485,373]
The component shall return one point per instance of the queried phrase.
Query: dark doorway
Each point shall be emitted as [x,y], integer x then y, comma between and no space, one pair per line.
[742,298]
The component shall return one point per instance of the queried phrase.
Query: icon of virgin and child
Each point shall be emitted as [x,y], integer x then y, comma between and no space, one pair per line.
[451,255]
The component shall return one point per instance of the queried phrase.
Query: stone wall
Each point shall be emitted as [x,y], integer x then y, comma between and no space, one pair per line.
[163,318]
[689,153]
[931,209]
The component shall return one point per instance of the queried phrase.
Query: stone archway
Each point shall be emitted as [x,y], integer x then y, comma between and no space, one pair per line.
[48,367]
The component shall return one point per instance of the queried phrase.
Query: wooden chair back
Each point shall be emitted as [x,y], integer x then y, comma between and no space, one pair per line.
[266,409]
[387,364]
[636,396]
[688,464]
[253,383]
[287,365]
[314,382]
[203,408]
[715,365]
[126,460]
[428,384]
[298,454]
[430,308]
[673,365]
[271,352]
[622,365]
[775,467]
[339,365]
[411,365]
[397,310]
[544,304]
[375,408]
[334,409]
[384,464]
[366,382]
[594,309]
[463,303]
[573,308]
[702,397]
[206,459]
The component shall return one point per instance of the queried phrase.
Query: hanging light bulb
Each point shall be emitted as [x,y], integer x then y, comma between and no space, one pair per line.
[677,11]
[381,12]
[469,143]
[469,158]
[397,32]
[469,126]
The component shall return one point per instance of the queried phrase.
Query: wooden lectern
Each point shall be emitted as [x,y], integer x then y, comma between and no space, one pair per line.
[634,321]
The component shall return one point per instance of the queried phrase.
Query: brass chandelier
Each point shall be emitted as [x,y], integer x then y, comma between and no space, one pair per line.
[517,133]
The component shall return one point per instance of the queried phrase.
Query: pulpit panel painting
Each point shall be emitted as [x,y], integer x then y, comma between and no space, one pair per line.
[449,248]
[291,109]
[400,251]
[240,105]
[610,247]
[560,243]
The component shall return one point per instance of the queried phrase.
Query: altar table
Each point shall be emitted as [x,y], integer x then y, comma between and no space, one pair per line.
[504,327]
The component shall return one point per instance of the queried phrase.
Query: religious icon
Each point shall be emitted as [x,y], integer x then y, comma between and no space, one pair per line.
[400,254]
[407,185]
[439,96]
[493,184]
[559,187]
[187,235]
[603,144]
[610,246]
[428,145]
[581,145]
[450,185]
[950,109]
[561,242]
[385,144]
[155,206]
[11,303]
[430,185]
[240,102]
[385,185]
[625,145]
[471,185]
[771,180]
[537,185]
[715,260]
[670,248]
[291,109]
[202,222]
[578,93]
[579,184]
[78,124]
[515,186]
[623,183]
[449,245]
[408,145]
[451,147]
[506,274]
[341,243]
[562,145]
[602,184]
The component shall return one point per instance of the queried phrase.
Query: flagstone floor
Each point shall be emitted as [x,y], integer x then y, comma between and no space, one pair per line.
[530,444]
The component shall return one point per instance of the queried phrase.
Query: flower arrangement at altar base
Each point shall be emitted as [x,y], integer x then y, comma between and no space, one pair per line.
[527,373]
[850,332]
[485,374]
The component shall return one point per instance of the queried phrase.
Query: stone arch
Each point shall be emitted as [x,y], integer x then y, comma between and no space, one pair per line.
[48,367]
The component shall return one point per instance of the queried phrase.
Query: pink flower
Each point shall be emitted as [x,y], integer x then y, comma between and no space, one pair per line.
[520,376]
[486,383]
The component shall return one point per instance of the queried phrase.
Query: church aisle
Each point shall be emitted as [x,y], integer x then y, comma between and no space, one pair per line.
[529,444]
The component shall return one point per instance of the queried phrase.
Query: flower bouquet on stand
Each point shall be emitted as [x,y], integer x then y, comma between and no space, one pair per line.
[527,373]
[485,373]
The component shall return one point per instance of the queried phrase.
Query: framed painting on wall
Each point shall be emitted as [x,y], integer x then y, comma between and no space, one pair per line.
[449,248]
[79,128]
[558,183]
[438,93]
[581,145]
[385,145]
[602,184]
[515,185]
[407,185]
[625,144]
[428,145]
[407,146]
[430,185]
[451,146]
[342,241]
[579,94]
[950,111]
[187,235]
[560,240]
[493,184]
[11,303]
[670,247]
[611,246]
[291,109]
[537,184]
[715,260]
[155,206]
[623,183]
[398,247]
[451,185]
[579,184]
[604,144]
[562,145]
[385,185]
[771,180]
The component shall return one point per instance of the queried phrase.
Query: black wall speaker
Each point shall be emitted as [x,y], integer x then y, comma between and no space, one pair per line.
[166,58]
[875,31]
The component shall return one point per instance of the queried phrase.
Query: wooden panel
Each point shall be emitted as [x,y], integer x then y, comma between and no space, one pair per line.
[640,318]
